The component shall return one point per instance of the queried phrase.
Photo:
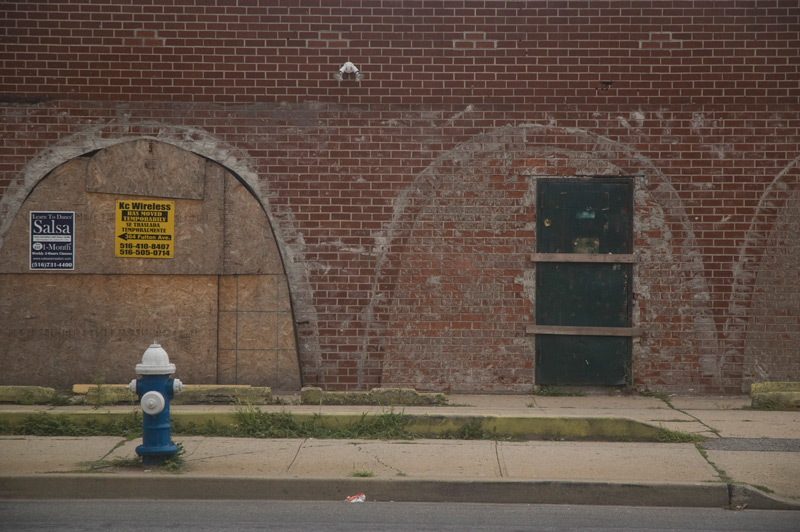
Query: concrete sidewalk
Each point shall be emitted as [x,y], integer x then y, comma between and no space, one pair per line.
[750,459]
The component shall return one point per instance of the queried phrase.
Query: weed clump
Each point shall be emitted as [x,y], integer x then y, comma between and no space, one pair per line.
[553,391]
[252,422]
[678,436]
[172,464]
[775,403]
[472,430]
[42,424]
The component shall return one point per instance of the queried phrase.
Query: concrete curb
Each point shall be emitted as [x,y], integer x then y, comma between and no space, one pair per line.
[747,497]
[310,395]
[103,486]
[202,394]
[775,395]
[26,395]
[773,386]
[126,486]
[211,394]
[423,425]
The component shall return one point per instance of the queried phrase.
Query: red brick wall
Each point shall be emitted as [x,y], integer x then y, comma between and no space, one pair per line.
[403,203]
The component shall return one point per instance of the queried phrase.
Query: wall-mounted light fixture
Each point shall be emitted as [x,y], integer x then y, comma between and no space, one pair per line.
[348,71]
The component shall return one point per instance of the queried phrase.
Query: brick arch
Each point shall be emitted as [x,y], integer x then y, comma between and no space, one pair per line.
[106,135]
[767,286]
[221,306]
[457,289]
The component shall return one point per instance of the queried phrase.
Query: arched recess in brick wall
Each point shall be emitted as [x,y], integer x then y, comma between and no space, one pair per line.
[768,279]
[220,306]
[457,286]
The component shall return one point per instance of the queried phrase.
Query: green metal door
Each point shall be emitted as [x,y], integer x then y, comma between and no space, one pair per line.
[584,269]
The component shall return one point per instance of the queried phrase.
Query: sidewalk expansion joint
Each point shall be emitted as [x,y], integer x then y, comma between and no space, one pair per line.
[685,413]
[296,454]
[501,466]
[119,444]
[378,459]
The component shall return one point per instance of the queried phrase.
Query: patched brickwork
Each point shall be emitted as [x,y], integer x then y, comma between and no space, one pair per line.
[403,204]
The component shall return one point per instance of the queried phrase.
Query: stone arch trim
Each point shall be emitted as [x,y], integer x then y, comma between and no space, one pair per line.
[252,278]
[503,165]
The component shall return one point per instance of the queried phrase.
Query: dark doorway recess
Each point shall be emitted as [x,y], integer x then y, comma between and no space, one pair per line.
[584,276]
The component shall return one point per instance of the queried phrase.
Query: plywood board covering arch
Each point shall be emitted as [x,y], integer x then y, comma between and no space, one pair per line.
[220,307]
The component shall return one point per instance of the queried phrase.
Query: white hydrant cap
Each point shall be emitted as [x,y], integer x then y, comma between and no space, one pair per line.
[153,403]
[155,362]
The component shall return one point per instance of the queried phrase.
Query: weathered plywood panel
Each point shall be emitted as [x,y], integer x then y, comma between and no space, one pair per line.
[256,332]
[198,227]
[97,320]
[249,244]
[58,330]
[147,168]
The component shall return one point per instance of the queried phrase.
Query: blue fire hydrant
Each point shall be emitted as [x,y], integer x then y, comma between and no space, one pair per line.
[155,389]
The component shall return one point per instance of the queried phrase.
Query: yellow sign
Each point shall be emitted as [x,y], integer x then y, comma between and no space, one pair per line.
[145,229]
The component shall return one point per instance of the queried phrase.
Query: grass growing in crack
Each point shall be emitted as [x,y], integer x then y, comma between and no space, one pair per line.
[252,422]
[763,488]
[102,464]
[27,398]
[61,400]
[775,404]
[100,398]
[362,474]
[387,426]
[666,435]
[285,402]
[723,476]
[552,391]
[42,424]
[658,395]
[116,463]
[173,464]
[472,430]
[665,398]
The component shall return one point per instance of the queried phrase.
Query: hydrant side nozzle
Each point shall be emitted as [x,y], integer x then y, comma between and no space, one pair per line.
[177,385]
[153,403]
[132,386]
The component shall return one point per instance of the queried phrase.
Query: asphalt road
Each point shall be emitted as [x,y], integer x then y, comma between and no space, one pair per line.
[200,516]
[785,445]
